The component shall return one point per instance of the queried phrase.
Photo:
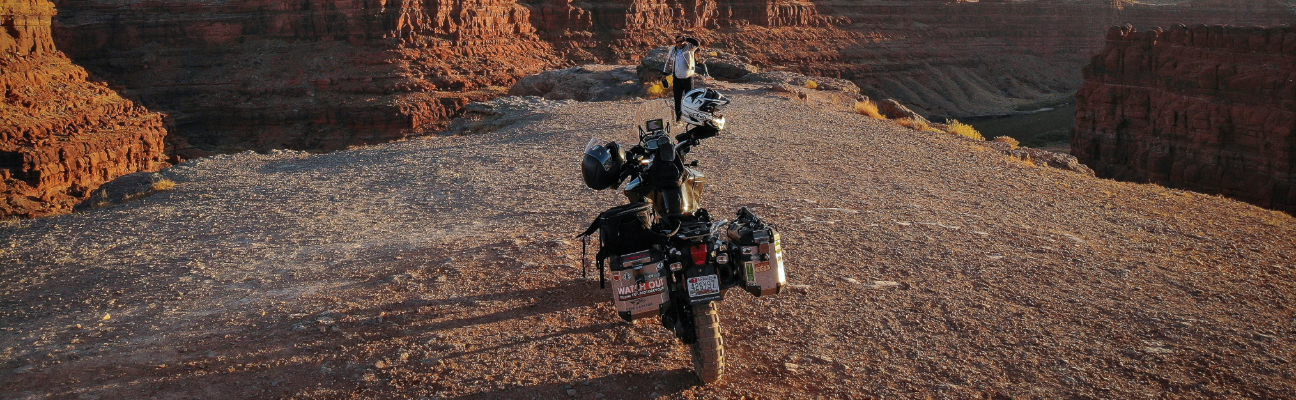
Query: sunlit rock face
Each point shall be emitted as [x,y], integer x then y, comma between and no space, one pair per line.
[1206,108]
[61,136]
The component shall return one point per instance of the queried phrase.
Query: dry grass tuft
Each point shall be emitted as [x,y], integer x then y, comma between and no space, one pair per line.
[165,184]
[1007,139]
[964,130]
[869,108]
[812,85]
[917,125]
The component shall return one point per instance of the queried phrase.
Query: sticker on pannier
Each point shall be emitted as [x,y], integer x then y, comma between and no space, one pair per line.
[763,263]
[638,285]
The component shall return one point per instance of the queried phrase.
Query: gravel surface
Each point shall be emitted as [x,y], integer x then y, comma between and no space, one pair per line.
[922,265]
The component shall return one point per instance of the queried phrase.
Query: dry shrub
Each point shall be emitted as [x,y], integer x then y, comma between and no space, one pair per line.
[1027,162]
[964,130]
[869,108]
[1007,139]
[656,90]
[111,98]
[811,85]
[165,184]
[917,125]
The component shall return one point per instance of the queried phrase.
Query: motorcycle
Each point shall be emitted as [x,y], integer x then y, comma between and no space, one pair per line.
[666,255]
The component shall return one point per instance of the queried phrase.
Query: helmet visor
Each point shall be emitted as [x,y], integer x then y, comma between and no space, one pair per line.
[599,152]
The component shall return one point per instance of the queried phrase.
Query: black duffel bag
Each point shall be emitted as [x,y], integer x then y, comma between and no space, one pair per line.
[623,230]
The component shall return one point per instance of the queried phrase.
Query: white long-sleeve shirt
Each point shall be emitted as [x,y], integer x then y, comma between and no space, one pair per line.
[682,61]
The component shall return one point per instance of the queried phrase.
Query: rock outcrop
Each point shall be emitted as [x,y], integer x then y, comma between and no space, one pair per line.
[1206,108]
[584,83]
[716,63]
[60,135]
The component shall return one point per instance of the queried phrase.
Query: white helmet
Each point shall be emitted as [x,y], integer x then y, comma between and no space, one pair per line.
[701,107]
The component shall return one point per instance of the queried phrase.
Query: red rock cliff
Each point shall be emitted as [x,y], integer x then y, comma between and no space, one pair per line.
[1207,108]
[60,136]
[307,74]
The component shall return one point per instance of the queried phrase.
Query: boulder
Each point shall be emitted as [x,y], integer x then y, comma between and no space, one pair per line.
[1042,157]
[493,115]
[796,79]
[126,188]
[720,64]
[584,83]
[894,110]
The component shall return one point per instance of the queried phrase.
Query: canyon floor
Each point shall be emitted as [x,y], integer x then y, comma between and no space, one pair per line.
[445,268]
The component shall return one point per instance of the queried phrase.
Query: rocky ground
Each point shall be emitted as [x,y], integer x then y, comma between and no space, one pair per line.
[923,266]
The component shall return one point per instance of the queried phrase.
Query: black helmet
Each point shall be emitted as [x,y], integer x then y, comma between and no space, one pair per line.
[601,166]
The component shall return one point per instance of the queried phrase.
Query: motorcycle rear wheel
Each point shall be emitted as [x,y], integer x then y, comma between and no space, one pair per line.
[708,351]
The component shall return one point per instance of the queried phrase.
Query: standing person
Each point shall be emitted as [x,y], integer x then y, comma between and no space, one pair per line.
[682,62]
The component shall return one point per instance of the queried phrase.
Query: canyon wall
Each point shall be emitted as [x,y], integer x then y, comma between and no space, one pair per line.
[326,74]
[305,74]
[963,58]
[1206,108]
[60,135]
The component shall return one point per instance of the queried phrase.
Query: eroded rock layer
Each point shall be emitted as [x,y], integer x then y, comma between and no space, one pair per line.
[324,74]
[60,135]
[1206,108]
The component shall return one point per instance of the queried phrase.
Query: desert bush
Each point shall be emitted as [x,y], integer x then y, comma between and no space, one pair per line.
[656,91]
[917,125]
[869,108]
[812,85]
[964,130]
[1007,139]
[165,184]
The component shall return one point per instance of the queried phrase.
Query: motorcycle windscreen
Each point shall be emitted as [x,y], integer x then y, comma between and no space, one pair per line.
[653,115]
[597,149]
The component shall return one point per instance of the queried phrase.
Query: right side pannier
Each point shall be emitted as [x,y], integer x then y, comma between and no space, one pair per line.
[760,254]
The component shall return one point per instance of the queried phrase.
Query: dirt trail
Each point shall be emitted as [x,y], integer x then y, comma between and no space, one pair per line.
[923,265]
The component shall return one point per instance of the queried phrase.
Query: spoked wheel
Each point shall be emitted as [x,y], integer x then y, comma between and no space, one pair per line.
[708,351]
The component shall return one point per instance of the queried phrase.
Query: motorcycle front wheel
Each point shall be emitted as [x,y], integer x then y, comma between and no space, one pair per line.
[708,351]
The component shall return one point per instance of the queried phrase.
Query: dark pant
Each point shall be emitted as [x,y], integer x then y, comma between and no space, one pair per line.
[681,87]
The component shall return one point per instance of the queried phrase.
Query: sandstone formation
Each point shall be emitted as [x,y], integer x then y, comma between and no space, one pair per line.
[60,135]
[325,74]
[1206,108]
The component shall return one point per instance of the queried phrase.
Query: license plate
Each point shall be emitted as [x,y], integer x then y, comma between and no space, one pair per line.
[703,285]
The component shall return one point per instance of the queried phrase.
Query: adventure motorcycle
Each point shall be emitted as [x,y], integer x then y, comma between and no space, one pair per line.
[666,255]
